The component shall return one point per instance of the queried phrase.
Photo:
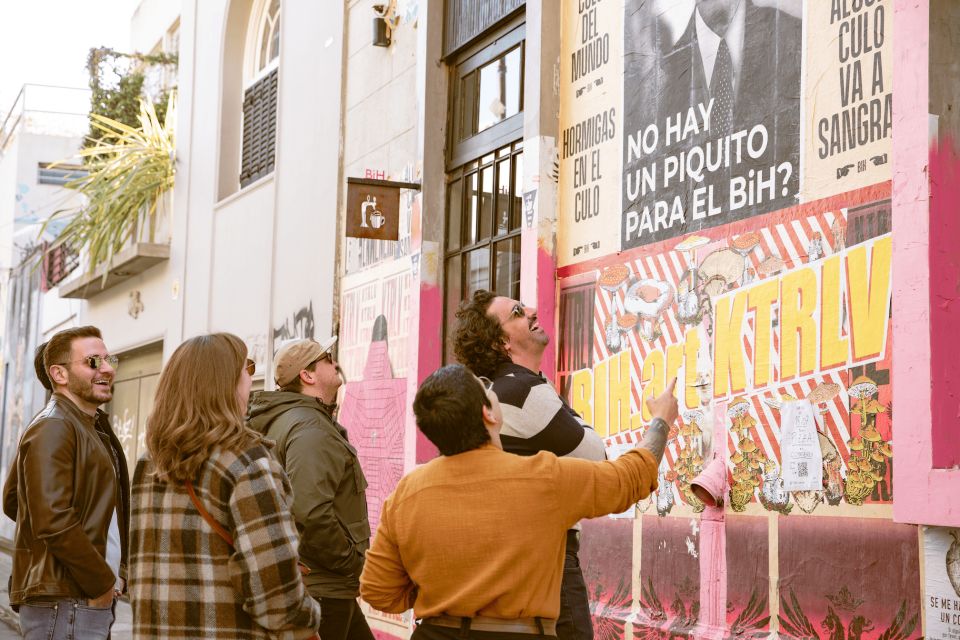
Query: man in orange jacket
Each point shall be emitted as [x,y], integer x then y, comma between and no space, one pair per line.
[474,540]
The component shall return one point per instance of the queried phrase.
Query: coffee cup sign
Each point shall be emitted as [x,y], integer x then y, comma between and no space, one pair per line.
[373,208]
[369,211]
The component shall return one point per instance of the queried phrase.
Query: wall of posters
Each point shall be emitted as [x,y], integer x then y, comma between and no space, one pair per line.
[757,269]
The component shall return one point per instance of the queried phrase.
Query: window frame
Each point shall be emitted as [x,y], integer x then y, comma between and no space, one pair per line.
[504,132]
[255,76]
[493,239]
[254,71]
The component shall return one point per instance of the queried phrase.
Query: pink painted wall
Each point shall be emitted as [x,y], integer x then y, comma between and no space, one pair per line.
[925,494]
[945,303]
[429,356]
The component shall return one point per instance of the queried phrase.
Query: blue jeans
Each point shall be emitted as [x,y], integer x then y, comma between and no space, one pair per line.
[65,619]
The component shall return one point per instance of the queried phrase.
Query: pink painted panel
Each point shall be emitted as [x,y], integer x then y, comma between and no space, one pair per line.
[603,546]
[945,303]
[928,494]
[848,577]
[430,354]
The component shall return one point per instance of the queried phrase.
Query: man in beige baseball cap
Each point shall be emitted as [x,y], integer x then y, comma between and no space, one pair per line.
[328,483]
[300,356]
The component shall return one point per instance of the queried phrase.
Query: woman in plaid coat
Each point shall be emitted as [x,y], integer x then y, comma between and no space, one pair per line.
[221,563]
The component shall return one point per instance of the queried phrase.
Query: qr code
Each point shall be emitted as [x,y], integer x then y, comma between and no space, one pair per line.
[802,469]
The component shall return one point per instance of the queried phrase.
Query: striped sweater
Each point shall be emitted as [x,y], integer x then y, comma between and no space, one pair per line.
[536,418]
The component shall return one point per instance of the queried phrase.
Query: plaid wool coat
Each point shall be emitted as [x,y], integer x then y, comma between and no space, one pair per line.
[186,582]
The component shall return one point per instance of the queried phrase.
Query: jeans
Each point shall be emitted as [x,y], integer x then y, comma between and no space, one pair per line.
[65,619]
[341,619]
[574,622]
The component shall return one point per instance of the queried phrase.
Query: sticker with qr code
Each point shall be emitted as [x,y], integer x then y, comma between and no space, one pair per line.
[800,447]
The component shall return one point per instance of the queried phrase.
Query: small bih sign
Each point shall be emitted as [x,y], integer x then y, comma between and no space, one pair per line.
[373,208]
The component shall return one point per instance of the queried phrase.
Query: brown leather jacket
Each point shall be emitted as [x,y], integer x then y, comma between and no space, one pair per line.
[67,460]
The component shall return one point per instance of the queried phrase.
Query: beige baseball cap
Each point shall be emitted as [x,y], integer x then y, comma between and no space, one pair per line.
[295,355]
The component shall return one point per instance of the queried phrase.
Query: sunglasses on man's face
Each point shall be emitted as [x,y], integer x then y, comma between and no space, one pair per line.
[94,362]
[251,367]
[486,382]
[327,356]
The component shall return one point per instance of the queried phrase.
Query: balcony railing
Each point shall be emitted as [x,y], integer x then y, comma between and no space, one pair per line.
[46,109]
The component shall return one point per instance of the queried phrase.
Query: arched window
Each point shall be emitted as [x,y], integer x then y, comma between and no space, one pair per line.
[268,38]
[260,93]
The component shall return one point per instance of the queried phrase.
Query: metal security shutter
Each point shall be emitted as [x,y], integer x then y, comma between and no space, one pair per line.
[466,19]
[57,265]
[259,128]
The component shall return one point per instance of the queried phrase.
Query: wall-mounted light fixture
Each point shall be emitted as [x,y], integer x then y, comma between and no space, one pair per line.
[381,30]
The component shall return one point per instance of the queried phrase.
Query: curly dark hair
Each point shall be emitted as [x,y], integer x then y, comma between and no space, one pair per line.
[478,338]
[449,410]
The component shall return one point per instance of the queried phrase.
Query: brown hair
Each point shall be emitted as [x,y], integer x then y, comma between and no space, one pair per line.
[196,409]
[42,374]
[296,385]
[478,338]
[59,348]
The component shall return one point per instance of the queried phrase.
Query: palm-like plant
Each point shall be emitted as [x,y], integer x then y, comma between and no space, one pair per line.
[130,169]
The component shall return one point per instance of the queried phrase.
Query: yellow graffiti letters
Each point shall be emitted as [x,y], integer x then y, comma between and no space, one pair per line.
[798,329]
[729,372]
[869,298]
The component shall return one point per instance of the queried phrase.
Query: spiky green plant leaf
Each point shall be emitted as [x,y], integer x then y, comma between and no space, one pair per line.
[130,170]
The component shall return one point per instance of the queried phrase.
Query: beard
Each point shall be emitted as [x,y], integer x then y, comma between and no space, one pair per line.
[89,392]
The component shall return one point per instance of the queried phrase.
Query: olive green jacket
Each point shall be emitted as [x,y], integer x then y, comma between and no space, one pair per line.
[329,499]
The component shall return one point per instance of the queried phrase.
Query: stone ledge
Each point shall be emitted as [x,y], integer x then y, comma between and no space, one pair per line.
[130,262]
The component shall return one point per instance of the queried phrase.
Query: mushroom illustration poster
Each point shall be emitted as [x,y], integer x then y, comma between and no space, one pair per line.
[941,550]
[791,305]
[751,317]
[848,97]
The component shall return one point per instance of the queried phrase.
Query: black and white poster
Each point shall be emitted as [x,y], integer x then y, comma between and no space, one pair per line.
[712,102]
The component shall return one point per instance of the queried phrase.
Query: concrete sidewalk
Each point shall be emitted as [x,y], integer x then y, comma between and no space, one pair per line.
[122,628]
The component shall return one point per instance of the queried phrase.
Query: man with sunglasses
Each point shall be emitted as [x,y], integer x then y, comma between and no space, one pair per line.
[501,339]
[69,494]
[329,499]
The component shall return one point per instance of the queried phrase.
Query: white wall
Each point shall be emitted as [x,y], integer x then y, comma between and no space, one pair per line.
[308,178]
[250,261]
[8,201]
[150,22]
[110,310]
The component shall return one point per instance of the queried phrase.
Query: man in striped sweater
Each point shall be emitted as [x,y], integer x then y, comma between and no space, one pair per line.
[500,338]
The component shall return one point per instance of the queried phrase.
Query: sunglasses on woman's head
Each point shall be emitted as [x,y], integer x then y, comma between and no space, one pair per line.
[251,367]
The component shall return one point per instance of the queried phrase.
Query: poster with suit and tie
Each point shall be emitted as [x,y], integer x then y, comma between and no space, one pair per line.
[712,113]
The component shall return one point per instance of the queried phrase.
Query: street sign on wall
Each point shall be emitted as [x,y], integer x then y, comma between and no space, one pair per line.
[373,208]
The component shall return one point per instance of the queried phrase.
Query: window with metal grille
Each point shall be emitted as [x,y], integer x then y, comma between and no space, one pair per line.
[466,19]
[58,263]
[60,174]
[259,128]
[575,349]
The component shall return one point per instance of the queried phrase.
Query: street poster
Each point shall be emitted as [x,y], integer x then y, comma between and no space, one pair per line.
[941,550]
[591,63]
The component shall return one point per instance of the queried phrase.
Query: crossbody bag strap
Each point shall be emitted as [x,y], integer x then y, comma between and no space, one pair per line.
[206,515]
[304,569]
